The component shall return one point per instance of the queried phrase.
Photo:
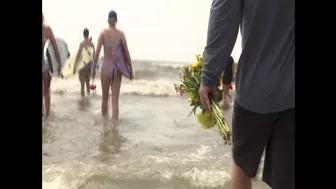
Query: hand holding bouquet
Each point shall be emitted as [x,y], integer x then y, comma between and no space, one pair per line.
[190,81]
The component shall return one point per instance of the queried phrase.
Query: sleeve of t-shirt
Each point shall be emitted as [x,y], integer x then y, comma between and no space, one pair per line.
[224,21]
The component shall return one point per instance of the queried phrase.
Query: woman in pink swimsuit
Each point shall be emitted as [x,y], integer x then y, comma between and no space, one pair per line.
[110,74]
[47,33]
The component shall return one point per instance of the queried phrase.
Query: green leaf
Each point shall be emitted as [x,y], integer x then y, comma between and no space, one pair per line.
[196,80]
[193,103]
[190,90]
[189,84]
[186,70]
[193,110]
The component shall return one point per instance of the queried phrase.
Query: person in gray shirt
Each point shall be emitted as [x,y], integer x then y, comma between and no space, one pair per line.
[264,110]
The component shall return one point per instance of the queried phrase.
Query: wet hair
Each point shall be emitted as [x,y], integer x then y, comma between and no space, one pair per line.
[86,32]
[112,17]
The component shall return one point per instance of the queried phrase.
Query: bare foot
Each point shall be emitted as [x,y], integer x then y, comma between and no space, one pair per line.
[46,115]
[106,131]
[225,105]
[106,124]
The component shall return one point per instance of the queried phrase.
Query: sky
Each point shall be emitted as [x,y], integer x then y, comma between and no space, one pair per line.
[167,30]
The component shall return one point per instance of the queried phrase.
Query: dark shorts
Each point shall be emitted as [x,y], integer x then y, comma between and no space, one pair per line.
[85,73]
[274,132]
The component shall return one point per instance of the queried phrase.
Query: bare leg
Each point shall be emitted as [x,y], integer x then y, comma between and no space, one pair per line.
[46,94]
[82,89]
[87,82]
[49,83]
[115,87]
[42,96]
[239,180]
[105,85]
[82,82]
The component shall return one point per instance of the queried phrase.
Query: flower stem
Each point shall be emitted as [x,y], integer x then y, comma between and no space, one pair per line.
[223,126]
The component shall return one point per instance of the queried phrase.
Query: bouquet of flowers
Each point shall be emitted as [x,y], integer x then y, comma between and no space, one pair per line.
[190,81]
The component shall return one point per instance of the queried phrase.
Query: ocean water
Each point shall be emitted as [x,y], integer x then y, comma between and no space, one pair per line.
[154,145]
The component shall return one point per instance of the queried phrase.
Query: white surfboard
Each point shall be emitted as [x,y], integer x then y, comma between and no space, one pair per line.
[50,56]
[69,65]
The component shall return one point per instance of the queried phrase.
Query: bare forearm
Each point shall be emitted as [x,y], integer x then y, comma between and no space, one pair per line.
[94,54]
[55,46]
[58,56]
[77,59]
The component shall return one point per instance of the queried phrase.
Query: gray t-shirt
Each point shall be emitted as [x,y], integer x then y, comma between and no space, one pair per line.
[265,72]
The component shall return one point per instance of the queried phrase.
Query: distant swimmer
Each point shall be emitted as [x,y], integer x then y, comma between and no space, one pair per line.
[84,74]
[47,34]
[117,62]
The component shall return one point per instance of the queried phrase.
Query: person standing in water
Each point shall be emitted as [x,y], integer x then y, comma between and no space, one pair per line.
[227,78]
[110,74]
[84,74]
[227,81]
[264,109]
[47,34]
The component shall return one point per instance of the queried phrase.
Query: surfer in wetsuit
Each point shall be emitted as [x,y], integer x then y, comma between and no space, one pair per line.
[84,74]
[47,34]
[110,74]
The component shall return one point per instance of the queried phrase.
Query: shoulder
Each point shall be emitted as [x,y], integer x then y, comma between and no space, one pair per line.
[90,44]
[121,33]
[102,33]
[82,44]
[47,28]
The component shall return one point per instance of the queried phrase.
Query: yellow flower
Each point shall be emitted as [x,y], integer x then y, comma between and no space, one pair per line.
[200,59]
[191,95]
[177,87]
[181,75]
[195,65]
[206,120]
[197,56]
